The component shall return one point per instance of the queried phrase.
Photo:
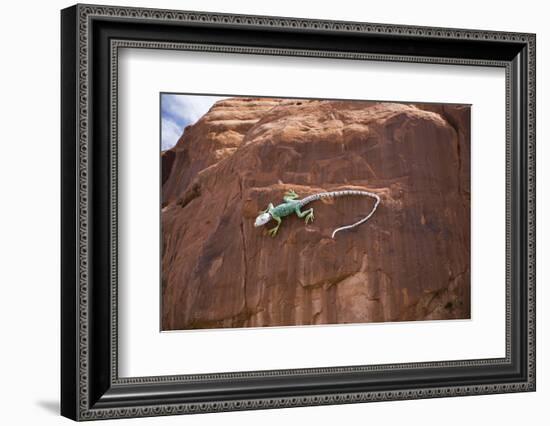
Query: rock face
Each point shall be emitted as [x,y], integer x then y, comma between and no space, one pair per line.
[410,261]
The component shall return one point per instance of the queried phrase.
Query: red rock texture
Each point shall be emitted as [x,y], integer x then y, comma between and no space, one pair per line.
[410,261]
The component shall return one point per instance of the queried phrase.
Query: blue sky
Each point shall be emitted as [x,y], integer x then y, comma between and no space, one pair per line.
[179,111]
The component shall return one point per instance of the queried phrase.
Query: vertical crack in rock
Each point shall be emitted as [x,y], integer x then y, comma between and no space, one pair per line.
[243,239]
[455,126]
[458,153]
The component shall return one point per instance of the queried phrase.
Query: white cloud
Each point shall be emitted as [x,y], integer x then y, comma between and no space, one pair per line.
[170,133]
[179,111]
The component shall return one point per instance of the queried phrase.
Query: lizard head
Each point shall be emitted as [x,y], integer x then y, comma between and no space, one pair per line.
[262,219]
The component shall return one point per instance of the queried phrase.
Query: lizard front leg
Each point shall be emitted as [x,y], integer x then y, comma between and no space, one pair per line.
[269,207]
[308,214]
[273,231]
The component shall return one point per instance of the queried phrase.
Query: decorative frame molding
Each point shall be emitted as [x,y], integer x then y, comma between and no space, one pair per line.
[91,388]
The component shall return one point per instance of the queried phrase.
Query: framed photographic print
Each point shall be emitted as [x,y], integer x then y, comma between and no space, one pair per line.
[263,212]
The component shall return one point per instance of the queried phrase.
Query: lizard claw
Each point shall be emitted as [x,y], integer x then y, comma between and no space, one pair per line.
[273,231]
[309,218]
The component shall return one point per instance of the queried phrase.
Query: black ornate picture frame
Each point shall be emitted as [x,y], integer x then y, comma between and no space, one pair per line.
[91,386]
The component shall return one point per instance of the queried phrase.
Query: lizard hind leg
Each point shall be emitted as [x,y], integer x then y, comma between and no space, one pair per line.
[308,214]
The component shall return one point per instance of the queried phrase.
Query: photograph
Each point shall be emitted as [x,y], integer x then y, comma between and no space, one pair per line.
[275,206]
[279,211]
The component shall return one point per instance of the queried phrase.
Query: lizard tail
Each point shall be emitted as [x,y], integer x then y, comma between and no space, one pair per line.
[367,217]
[342,193]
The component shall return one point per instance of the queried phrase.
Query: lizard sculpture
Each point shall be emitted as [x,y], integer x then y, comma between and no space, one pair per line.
[294,205]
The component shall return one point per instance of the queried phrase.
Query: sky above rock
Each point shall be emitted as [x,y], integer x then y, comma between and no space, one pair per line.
[178,111]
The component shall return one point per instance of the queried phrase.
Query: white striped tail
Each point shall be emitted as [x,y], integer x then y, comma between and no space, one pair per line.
[343,193]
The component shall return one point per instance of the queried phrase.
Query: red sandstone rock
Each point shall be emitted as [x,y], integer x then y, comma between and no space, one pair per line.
[410,261]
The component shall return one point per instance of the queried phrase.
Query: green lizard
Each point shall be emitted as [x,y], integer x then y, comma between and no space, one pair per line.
[293,205]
